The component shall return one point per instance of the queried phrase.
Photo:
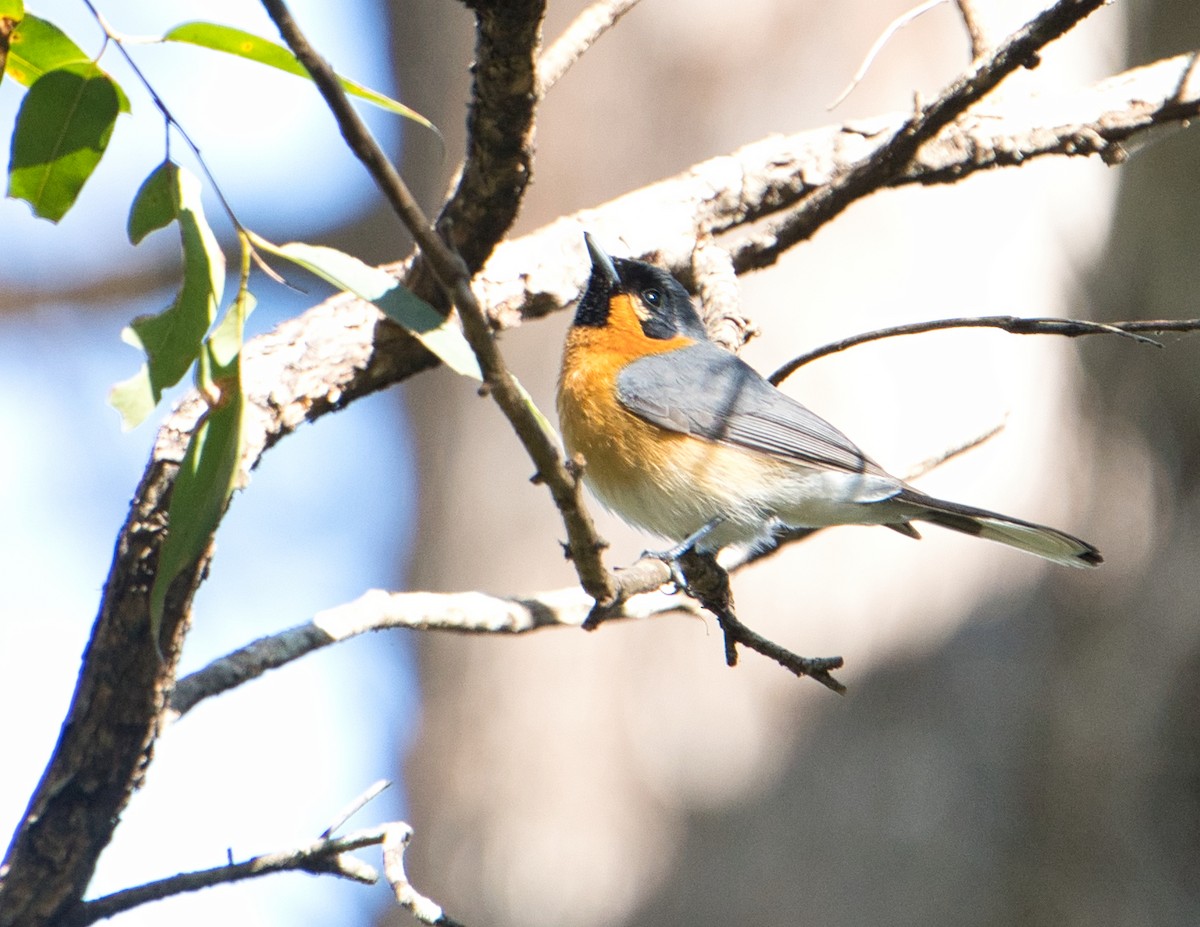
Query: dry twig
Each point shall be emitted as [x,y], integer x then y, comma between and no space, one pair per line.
[893,27]
[577,38]
[326,855]
[708,581]
[1014,325]
[424,909]
[377,610]
[975,31]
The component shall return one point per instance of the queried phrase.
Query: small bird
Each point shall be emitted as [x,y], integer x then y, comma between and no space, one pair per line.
[686,440]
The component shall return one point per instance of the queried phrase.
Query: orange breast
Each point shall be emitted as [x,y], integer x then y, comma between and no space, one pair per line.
[652,477]
[611,439]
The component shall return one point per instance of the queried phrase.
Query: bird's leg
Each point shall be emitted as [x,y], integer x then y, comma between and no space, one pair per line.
[671,555]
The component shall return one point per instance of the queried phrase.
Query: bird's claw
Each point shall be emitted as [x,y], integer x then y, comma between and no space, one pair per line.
[671,559]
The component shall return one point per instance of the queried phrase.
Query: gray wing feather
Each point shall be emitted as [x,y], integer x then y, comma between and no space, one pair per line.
[705,391]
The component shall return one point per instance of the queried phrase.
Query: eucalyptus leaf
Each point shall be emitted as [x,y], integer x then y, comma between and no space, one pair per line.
[172,339]
[63,128]
[255,48]
[208,474]
[38,46]
[440,334]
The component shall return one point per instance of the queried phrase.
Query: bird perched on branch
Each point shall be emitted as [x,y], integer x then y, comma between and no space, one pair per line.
[684,439]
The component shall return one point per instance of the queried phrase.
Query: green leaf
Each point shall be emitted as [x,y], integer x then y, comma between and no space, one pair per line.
[172,339]
[440,334]
[255,48]
[63,127]
[208,474]
[38,46]
[155,204]
[202,488]
[537,413]
[134,399]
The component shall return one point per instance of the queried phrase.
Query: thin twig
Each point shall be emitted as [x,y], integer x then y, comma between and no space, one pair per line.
[975,31]
[577,38]
[455,279]
[893,27]
[111,35]
[422,908]
[1014,325]
[819,669]
[354,806]
[324,856]
[708,581]
[930,464]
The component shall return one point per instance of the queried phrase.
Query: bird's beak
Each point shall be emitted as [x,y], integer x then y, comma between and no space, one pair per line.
[602,264]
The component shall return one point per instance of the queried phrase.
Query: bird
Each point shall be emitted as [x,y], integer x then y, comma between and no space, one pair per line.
[685,440]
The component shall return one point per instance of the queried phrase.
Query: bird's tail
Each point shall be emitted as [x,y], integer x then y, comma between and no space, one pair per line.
[1050,543]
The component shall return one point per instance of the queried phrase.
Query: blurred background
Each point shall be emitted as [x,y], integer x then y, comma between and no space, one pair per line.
[1019,743]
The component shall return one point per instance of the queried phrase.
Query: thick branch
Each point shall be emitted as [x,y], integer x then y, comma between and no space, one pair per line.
[500,125]
[100,756]
[755,182]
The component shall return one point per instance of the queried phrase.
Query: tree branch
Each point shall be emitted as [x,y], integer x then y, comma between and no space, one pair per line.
[377,610]
[762,179]
[423,909]
[577,38]
[890,158]
[1014,325]
[975,31]
[708,581]
[325,856]
[500,123]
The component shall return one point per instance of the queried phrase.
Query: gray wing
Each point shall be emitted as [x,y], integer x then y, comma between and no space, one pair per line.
[704,390]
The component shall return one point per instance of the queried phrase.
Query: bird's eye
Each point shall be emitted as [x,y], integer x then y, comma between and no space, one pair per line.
[652,296]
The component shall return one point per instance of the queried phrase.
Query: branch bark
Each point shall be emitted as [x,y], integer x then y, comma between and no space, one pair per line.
[323,856]
[378,610]
[733,191]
